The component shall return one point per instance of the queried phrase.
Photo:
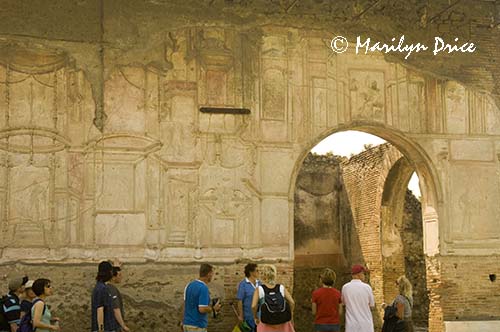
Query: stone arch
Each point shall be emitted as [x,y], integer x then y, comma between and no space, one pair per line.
[431,188]
[405,157]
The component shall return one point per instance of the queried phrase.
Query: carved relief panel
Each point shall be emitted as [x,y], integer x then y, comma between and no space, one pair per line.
[132,100]
[456,105]
[40,196]
[123,176]
[181,202]
[227,196]
[219,68]
[274,119]
[225,208]
[367,94]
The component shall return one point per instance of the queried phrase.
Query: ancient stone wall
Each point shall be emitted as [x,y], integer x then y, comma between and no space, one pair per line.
[364,176]
[322,230]
[326,234]
[106,148]
[152,292]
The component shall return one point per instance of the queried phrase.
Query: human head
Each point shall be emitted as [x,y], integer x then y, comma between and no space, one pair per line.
[405,287]
[16,285]
[249,268]
[328,277]
[206,272]
[358,272]
[104,271]
[28,290]
[42,287]
[268,273]
[117,274]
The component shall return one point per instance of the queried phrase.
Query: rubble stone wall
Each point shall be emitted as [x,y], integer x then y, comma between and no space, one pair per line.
[327,234]
[107,148]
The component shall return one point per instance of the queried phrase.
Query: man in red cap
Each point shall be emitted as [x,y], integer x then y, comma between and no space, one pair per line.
[357,296]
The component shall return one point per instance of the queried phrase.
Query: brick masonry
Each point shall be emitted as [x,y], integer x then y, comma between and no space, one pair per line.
[338,223]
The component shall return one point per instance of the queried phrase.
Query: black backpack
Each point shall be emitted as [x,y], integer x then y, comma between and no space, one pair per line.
[392,323]
[26,324]
[274,310]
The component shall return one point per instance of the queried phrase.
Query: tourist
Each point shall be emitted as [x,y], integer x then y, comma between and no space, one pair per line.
[325,304]
[29,296]
[246,288]
[103,318]
[117,299]
[282,313]
[357,296]
[196,306]
[40,312]
[404,302]
[11,307]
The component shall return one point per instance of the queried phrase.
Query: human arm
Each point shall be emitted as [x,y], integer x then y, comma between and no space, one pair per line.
[204,309]
[400,310]
[371,299]
[290,301]
[100,318]
[240,310]
[313,308]
[239,297]
[204,306]
[37,318]
[255,304]
[13,327]
[119,319]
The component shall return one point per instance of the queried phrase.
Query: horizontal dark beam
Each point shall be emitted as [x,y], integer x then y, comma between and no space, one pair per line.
[224,110]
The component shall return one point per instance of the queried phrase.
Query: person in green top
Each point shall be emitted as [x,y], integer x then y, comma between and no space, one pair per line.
[42,317]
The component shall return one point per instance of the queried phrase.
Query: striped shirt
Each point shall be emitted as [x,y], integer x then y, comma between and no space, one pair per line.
[12,309]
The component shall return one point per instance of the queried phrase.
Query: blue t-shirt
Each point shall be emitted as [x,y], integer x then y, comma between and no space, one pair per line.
[196,295]
[245,295]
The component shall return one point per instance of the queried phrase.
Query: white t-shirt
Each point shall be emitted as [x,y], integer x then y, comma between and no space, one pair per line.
[357,297]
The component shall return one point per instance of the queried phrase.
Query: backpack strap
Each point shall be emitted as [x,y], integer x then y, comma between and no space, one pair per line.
[44,306]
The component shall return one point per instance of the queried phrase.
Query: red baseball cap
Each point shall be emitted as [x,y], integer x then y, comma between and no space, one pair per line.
[358,269]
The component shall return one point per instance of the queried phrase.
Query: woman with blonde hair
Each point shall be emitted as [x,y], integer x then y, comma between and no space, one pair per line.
[325,304]
[275,303]
[404,302]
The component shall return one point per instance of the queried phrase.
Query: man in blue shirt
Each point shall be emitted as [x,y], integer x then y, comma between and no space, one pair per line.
[246,288]
[197,302]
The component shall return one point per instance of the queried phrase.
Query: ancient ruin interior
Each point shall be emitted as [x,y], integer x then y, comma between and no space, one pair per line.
[167,133]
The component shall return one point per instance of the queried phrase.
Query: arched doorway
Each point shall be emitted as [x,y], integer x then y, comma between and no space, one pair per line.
[372,244]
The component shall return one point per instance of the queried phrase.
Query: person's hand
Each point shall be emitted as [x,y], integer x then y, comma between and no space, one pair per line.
[240,318]
[125,328]
[217,306]
[55,319]
[55,328]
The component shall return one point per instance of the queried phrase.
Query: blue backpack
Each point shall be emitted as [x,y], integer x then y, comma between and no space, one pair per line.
[26,324]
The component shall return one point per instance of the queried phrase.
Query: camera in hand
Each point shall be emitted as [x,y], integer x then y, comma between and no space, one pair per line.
[214,302]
